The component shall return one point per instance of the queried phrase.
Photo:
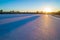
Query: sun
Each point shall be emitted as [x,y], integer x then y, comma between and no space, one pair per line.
[47,9]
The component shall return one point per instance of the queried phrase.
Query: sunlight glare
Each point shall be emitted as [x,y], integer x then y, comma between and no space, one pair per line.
[47,9]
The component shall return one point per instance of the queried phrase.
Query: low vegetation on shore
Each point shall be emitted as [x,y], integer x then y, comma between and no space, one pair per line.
[37,12]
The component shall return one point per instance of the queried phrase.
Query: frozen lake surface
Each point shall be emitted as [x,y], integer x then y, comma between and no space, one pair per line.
[29,27]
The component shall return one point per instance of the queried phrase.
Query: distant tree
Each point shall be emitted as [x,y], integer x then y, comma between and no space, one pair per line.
[1,11]
[59,12]
[12,11]
[17,12]
[37,12]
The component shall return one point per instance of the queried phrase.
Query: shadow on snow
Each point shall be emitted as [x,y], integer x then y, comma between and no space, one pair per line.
[6,28]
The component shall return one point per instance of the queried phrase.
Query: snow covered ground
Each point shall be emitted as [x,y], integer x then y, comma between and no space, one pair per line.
[29,27]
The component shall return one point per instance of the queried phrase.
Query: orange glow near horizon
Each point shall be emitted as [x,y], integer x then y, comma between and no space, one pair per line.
[47,9]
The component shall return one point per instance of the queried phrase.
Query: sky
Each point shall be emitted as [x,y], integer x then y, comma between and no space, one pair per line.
[29,5]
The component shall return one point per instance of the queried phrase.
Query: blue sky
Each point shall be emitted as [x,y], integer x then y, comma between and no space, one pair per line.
[28,5]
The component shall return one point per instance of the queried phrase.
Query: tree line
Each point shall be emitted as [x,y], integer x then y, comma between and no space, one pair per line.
[37,12]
